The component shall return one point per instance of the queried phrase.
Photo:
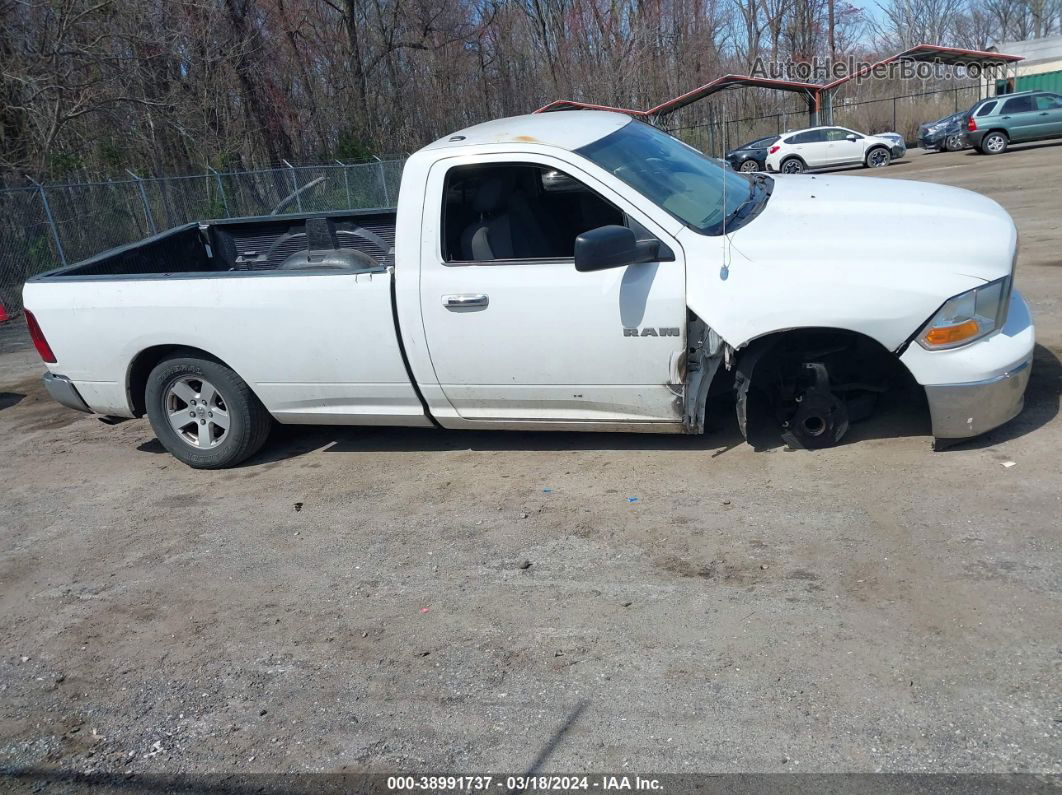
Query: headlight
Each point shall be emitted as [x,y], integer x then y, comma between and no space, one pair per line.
[968,317]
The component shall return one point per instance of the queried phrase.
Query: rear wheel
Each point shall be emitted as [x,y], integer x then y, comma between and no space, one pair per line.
[878,157]
[204,413]
[954,143]
[793,165]
[749,166]
[995,143]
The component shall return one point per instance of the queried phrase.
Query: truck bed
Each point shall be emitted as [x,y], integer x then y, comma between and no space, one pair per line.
[300,306]
[353,240]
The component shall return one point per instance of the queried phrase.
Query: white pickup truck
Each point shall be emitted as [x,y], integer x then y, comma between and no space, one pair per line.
[561,271]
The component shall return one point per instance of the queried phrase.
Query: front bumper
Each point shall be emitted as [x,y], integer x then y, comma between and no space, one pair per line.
[961,410]
[978,387]
[930,142]
[63,391]
[898,151]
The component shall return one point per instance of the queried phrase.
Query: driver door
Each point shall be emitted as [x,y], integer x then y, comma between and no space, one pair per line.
[840,149]
[515,334]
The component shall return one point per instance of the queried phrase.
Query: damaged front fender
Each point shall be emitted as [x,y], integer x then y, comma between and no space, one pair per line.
[706,352]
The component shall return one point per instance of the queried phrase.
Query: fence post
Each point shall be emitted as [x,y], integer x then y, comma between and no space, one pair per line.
[383,181]
[51,221]
[894,114]
[221,190]
[346,183]
[294,185]
[143,198]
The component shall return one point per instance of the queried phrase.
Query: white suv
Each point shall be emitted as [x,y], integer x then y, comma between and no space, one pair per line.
[819,147]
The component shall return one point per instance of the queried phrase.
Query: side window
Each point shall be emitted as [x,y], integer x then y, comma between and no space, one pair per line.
[835,134]
[517,211]
[1018,105]
[807,137]
[1048,102]
[986,109]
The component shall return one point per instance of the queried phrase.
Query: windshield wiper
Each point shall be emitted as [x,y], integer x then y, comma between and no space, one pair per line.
[760,191]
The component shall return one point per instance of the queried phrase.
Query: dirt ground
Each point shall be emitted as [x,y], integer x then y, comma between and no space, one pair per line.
[429,601]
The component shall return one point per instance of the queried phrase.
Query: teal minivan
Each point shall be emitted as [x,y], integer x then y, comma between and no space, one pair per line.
[994,124]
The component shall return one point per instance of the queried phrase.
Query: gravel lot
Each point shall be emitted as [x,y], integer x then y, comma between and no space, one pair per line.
[399,600]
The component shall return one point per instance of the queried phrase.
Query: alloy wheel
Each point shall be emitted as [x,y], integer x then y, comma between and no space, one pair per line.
[197,412]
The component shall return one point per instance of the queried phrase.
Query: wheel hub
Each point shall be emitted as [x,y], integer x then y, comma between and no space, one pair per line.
[820,418]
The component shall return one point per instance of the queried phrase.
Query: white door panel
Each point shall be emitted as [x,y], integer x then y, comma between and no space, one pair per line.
[845,151]
[538,341]
[816,153]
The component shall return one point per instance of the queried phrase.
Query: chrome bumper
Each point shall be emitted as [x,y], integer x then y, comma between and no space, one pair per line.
[64,392]
[961,410]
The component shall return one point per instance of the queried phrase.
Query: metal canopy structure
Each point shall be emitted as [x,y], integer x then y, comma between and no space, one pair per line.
[921,53]
[818,96]
[810,92]
[954,56]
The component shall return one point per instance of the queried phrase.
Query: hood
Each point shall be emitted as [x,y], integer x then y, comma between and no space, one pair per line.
[876,256]
[865,222]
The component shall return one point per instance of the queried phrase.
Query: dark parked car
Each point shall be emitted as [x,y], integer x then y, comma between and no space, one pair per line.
[750,157]
[994,124]
[943,134]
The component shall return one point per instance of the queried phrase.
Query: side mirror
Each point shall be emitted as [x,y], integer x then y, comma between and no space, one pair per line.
[851,137]
[612,247]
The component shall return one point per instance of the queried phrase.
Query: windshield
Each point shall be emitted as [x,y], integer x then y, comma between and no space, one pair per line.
[672,175]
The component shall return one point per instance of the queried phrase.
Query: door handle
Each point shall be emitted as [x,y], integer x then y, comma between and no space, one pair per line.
[465,300]
[1043,113]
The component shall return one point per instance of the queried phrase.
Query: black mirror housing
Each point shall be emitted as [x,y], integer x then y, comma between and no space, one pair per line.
[612,247]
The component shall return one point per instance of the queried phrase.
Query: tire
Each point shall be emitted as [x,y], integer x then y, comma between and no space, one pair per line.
[749,166]
[995,143]
[878,157]
[953,143]
[204,390]
[793,165]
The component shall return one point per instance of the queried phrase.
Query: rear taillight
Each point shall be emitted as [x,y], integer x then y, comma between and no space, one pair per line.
[773,149]
[971,125]
[39,342]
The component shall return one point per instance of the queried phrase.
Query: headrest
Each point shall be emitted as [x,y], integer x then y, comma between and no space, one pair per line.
[492,192]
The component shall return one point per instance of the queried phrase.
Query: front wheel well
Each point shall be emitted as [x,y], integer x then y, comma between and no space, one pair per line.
[771,371]
[146,361]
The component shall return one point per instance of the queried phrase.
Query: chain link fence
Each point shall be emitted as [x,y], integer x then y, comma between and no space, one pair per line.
[45,226]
